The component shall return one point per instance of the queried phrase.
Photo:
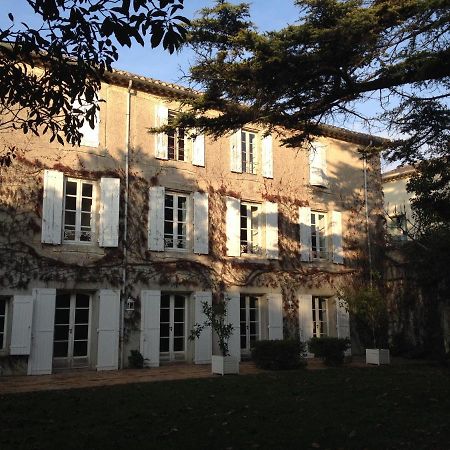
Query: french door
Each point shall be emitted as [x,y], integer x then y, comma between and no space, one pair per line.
[320,316]
[172,341]
[72,333]
[249,322]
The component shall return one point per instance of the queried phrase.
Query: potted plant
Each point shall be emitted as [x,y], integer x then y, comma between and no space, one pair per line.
[368,305]
[215,318]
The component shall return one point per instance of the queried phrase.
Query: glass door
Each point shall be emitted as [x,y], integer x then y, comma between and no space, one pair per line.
[320,316]
[249,322]
[172,343]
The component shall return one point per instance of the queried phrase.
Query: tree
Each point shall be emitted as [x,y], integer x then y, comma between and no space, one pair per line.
[45,70]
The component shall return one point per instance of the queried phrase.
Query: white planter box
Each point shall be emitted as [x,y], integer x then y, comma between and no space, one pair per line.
[377,356]
[224,364]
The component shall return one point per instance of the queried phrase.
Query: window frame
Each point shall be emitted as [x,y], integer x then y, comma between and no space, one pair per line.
[78,211]
[178,136]
[316,307]
[249,158]
[174,236]
[323,252]
[4,331]
[256,248]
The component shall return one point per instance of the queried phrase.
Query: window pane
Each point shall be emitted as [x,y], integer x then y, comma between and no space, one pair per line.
[69,219]
[81,332]
[62,316]
[2,324]
[63,301]
[179,315]
[178,329]
[178,344]
[71,203]
[179,301]
[2,307]
[164,330]
[87,190]
[164,315]
[86,204]
[86,220]
[71,187]
[80,348]
[165,301]
[164,345]
[82,315]
[60,349]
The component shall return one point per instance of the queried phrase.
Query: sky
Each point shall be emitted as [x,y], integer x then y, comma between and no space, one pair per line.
[159,64]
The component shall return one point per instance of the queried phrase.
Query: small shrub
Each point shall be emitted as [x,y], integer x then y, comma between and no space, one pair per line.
[330,349]
[278,355]
[136,360]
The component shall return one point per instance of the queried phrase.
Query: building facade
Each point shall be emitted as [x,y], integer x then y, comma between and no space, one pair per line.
[114,245]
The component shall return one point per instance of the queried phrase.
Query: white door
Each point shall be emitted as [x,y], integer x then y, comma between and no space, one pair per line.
[249,322]
[320,316]
[172,338]
[71,334]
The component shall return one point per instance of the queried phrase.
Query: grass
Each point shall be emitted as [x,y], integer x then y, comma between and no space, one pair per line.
[378,408]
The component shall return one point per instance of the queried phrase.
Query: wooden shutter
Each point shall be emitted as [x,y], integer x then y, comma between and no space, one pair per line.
[198,150]
[267,157]
[150,323]
[43,324]
[271,214]
[201,237]
[233,316]
[109,212]
[304,214]
[233,225]
[156,218]
[305,317]
[161,141]
[90,136]
[21,325]
[318,165]
[108,330]
[203,345]
[336,237]
[343,322]
[275,307]
[52,207]
[236,152]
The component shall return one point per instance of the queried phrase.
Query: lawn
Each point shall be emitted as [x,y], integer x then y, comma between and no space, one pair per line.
[376,408]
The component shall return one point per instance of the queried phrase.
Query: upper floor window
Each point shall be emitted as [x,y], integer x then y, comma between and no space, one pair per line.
[320,316]
[175,221]
[176,142]
[250,228]
[319,235]
[3,318]
[79,210]
[248,151]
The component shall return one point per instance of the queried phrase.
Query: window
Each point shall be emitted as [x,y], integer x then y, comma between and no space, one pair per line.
[3,319]
[398,227]
[320,316]
[175,221]
[249,321]
[248,149]
[319,235]
[79,210]
[176,142]
[250,228]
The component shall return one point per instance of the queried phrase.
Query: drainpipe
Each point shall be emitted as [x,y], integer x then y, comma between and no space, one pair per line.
[125,226]
[369,246]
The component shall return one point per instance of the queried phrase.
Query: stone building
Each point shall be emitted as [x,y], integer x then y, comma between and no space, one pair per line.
[113,246]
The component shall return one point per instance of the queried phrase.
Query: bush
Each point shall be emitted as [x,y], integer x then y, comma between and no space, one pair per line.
[330,349]
[278,355]
[136,360]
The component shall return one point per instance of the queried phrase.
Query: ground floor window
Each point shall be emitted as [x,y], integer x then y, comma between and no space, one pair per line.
[320,316]
[71,332]
[3,318]
[172,341]
[249,321]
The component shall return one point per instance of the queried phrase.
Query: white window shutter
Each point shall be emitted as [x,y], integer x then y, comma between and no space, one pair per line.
[21,325]
[267,157]
[318,165]
[41,353]
[233,226]
[304,214]
[275,307]
[305,317]
[342,322]
[108,235]
[198,150]
[108,330]
[156,218]
[233,316]
[336,237]
[236,152]
[150,325]
[201,237]
[52,207]
[90,136]
[271,214]
[203,345]
[161,141]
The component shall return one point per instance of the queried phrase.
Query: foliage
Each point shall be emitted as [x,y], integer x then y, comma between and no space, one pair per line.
[73,45]
[331,349]
[278,355]
[136,360]
[368,305]
[216,319]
